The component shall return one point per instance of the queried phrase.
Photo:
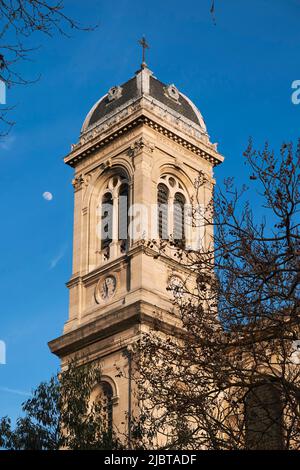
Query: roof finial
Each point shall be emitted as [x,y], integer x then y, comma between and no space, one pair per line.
[145,46]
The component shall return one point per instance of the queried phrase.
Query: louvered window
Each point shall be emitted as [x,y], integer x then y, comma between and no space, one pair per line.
[106,217]
[178,223]
[162,202]
[123,214]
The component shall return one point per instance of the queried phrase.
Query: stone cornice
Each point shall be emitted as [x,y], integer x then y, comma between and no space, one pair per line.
[201,149]
[145,101]
[107,325]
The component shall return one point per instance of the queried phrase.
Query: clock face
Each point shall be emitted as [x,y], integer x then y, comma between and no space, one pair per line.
[175,285]
[107,287]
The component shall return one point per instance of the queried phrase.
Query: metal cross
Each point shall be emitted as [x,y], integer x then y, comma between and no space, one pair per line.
[145,46]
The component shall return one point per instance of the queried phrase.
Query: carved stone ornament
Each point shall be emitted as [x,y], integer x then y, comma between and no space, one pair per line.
[107,163]
[110,123]
[172,92]
[114,93]
[140,145]
[80,181]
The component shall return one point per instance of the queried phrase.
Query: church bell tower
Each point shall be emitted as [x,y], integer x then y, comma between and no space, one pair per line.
[141,146]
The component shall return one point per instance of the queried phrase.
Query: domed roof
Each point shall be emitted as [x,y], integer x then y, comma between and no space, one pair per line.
[144,84]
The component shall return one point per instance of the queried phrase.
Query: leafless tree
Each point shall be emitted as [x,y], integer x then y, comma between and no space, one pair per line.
[20,20]
[228,376]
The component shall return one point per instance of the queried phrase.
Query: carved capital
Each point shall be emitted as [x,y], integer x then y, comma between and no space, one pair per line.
[80,181]
[140,145]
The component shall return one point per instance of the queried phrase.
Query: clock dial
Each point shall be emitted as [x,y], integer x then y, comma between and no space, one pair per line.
[107,287]
[175,285]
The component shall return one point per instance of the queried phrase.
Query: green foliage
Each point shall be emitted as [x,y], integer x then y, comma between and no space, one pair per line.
[60,414]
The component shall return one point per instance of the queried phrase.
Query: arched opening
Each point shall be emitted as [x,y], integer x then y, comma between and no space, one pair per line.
[114,207]
[263,417]
[104,398]
[171,199]
[107,406]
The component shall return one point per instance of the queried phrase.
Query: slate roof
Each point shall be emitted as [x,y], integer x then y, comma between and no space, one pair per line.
[157,90]
[130,91]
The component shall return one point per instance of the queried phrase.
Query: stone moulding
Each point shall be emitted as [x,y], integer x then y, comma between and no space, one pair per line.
[149,103]
[109,324]
[140,145]
[80,181]
[210,154]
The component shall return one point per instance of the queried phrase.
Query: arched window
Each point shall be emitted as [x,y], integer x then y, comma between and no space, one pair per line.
[107,406]
[263,417]
[106,220]
[114,217]
[162,201]
[171,200]
[102,399]
[178,214]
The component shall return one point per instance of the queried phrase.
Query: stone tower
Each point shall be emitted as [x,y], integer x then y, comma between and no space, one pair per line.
[143,142]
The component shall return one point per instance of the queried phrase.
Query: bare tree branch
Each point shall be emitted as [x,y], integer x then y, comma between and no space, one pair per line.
[19,21]
[228,377]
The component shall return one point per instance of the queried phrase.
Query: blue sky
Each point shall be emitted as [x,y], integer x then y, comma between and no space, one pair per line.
[238,72]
